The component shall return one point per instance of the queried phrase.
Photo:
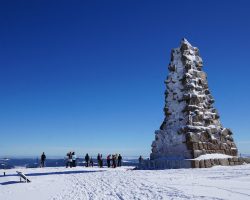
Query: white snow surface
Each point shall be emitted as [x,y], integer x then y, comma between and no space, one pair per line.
[82,183]
[212,156]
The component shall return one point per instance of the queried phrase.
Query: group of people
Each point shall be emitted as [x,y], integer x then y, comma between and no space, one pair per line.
[113,161]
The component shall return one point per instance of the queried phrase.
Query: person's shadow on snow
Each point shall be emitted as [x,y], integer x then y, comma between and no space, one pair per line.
[46,174]
[10,182]
[58,173]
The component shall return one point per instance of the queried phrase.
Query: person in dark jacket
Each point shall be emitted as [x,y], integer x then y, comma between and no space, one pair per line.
[91,162]
[87,160]
[108,160]
[101,161]
[113,161]
[43,158]
[119,160]
[140,160]
[74,159]
[69,160]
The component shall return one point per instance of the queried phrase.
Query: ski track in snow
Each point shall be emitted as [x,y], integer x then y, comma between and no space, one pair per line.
[217,183]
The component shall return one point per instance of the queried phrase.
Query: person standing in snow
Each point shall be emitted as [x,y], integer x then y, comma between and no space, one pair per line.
[43,158]
[69,160]
[108,160]
[113,161]
[91,162]
[119,160]
[73,159]
[99,160]
[87,160]
[140,160]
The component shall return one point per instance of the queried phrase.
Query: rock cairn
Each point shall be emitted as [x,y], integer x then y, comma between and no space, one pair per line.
[191,126]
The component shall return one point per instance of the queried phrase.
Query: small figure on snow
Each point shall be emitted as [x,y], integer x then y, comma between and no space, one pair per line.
[91,162]
[108,160]
[140,160]
[119,160]
[87,160]
[74,159]
[113,161]
[69,160]
[99,160]
[43,158]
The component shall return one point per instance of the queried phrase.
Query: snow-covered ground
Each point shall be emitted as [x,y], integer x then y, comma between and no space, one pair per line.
[123,183]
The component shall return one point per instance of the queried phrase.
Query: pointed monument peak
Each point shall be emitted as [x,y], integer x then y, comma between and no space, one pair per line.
[185,44]
[184,40]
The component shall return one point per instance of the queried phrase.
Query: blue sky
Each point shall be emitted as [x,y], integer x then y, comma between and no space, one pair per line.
[89,75]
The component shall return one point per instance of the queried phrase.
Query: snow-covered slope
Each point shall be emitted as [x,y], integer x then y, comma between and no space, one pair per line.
[124,183]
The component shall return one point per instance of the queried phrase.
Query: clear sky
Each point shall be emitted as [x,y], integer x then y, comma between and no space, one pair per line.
[89,75]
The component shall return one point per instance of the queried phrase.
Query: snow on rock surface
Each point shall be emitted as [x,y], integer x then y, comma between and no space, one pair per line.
[191,126]
[123,183]
[213,156]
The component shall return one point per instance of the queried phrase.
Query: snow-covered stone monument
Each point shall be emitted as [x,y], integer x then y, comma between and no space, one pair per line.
[191,127]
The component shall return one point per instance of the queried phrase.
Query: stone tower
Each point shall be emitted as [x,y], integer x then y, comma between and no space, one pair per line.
[191,126]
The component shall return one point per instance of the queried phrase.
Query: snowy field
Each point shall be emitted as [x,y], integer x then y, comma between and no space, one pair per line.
[123,183]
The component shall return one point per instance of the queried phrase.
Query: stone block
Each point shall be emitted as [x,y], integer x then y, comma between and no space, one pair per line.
[227,152]
[202,164]
[215,142]
[212,162]
[195,146]
[234,152]
[203,151]
[191,137]
[224,162]
[195,163]
[235,159]
[207,163]
[229,143]
[197,153]
[221,151]
[209,146]
[222,146]
[200,145]
[226,132]
[216,162]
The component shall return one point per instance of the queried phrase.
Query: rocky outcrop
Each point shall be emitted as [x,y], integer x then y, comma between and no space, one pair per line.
[192,125]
